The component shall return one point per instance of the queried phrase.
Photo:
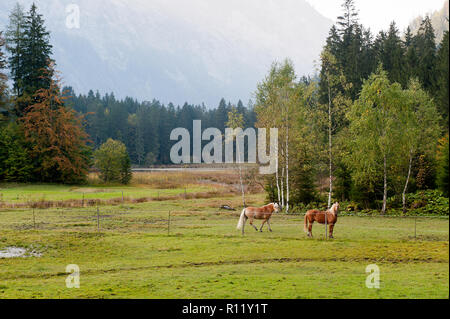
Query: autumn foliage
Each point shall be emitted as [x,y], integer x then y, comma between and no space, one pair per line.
[56,137]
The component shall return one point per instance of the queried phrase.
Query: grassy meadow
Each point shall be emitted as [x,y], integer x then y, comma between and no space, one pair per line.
[140,251]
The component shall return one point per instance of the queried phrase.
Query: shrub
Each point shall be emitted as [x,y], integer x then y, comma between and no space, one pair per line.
[430,202]
[113,162]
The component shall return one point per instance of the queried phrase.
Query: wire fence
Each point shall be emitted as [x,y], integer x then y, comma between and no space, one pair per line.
[218,222]
[90,199]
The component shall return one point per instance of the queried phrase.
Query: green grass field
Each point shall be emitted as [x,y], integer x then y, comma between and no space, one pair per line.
[29,193]
[204,256]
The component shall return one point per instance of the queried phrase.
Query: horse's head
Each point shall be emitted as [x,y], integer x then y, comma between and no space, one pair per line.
[335,208]
[276,207]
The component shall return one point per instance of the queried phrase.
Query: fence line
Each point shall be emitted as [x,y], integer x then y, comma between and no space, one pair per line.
[119,212]
[168,219]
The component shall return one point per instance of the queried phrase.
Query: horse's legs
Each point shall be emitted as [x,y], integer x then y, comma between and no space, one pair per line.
[331,230]
[264,221]
[251,223]
[243,225]
[310,228]
[268,224]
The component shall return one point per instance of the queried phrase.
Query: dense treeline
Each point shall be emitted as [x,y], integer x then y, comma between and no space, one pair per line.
[372,129]
[358,54]
[144,127]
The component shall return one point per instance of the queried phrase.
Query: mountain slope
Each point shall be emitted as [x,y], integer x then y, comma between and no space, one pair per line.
[178,50]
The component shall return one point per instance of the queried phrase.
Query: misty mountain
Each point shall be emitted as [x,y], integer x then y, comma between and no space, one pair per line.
[178,50]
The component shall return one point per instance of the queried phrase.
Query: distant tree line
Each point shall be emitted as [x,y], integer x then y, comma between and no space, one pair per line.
[144,127]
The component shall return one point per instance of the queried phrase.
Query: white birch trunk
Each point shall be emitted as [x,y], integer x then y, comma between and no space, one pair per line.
[287,167]
[286,109]
[278,182]
[330,147]
[407,182]
[282,187]
[383,211]
[240,174]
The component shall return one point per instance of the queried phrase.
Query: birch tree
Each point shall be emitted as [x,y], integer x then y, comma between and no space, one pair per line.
[275,107]
[375,129]
[419,121]
[236,120]
[335,83]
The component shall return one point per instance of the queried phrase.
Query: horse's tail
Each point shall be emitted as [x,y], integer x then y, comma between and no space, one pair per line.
[241,220]
[305,226]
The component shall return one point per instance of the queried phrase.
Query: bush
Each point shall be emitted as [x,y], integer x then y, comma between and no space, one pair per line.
[430,202]
[426,202]
[113,162]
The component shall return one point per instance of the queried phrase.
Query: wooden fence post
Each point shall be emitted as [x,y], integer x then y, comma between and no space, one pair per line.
[98,219]
[168,225]
[415,227]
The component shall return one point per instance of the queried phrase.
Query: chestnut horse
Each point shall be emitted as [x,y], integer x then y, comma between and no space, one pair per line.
[319,216]
[252,213]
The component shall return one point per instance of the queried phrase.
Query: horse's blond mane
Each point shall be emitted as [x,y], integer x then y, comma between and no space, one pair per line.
[334,208]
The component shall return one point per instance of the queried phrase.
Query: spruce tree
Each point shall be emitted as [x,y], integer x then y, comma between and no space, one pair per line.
[35,59]
[3,80]
[349,18]
[426,52]
[443,79]
[392,56]
[351,44]
[125,172]
[411,59]
[15,42]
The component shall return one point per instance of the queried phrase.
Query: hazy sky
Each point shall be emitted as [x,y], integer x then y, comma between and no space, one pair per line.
[378,14]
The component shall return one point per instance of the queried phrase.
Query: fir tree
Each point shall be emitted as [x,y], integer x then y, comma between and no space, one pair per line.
[392,56]
[443,79]
[349,18]
[35,60]
[411,59]
[3,81]
[15,42]
[426,55]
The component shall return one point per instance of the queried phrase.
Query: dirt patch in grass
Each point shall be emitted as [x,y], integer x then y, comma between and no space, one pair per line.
[18,252]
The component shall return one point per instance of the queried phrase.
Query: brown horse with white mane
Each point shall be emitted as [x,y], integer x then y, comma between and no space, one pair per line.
[319,216]
[252,213]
